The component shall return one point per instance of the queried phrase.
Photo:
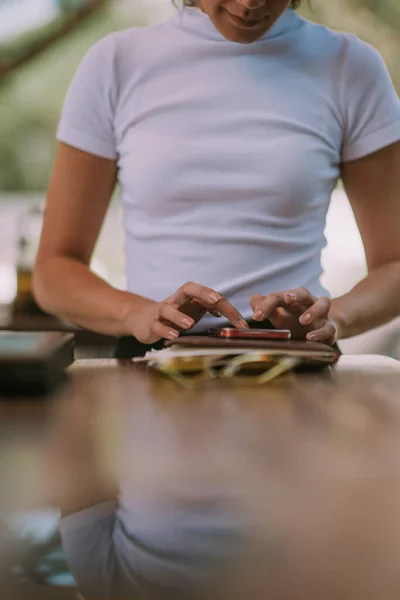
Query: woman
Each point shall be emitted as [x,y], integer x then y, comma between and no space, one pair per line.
[227,127]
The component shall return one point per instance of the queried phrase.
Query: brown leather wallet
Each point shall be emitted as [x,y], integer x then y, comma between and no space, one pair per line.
[312,353]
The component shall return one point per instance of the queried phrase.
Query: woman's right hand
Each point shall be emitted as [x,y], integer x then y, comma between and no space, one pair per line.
[179,313]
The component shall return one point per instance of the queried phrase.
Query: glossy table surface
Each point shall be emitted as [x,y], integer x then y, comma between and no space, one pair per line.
[311,462]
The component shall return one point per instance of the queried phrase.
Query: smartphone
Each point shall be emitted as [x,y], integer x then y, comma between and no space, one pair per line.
[251,334]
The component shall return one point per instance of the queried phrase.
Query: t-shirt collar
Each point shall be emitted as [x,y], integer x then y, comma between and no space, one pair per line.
[196,18]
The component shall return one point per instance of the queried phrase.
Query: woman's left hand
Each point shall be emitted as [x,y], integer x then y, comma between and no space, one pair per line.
[306,316]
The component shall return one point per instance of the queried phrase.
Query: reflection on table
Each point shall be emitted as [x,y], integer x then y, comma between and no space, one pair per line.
[289,491]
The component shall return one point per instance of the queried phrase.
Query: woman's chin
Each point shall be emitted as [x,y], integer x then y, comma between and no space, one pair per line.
[241,34]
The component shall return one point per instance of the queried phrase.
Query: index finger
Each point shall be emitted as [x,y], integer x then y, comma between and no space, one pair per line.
[211,300]
[195,291]
[229,311]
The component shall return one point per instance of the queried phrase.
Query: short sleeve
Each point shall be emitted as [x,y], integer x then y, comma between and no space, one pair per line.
[87,538]
[87,119]
[369,102]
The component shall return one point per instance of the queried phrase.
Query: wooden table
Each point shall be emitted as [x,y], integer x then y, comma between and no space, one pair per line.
[312,464]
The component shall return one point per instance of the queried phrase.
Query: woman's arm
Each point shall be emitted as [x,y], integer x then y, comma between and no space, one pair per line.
[79,194]
[373,188]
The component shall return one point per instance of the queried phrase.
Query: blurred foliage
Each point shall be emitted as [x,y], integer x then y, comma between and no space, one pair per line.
[31,101]
[388,10]
[65,11]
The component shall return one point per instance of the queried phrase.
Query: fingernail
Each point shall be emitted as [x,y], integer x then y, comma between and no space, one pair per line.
[291,296]
[312,337]
[305,318]
[173,335]
[214,297]
[243,324]
[187,323]
[258,315]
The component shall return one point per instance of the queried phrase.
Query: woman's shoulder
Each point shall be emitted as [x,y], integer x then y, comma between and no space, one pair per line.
[336,57]
[337,46]
[119,54]
[123,42]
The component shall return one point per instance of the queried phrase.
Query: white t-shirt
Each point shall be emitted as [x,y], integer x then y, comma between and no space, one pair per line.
[180,513]
[228,153]
[113,553]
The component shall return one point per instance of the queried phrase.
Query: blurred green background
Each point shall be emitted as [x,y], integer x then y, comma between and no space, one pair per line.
[32,96]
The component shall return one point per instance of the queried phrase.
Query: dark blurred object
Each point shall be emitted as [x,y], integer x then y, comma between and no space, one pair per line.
[28,242]
[24,301]
[33,362]
[28,45]
[88,344]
